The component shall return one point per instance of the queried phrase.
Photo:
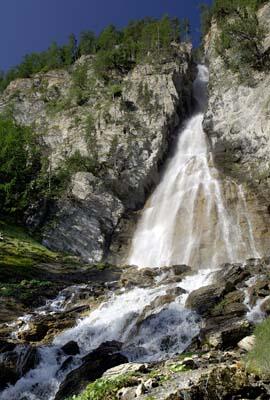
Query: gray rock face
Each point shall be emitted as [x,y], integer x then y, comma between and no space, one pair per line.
[127,139]
[238,125]
[226,304]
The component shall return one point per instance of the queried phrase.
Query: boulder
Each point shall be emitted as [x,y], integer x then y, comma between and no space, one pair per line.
[265,306]
[226,334]
[71,348]
[204,299]
[94,364]
[247,343]
[125,369]
[16,363]
[134,277]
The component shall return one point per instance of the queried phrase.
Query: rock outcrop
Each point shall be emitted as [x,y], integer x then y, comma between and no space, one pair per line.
[238,125]
[125,136]
[231,305]
[93,365]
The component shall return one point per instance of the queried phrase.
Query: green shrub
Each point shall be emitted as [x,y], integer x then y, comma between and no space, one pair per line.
[240,42]
[19,166]
[241,39]
[105,389]
[259,358]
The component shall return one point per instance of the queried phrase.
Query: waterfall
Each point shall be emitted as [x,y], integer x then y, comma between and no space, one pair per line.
[186,219]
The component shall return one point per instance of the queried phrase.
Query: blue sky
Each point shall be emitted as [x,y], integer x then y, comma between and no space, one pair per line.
[31,25]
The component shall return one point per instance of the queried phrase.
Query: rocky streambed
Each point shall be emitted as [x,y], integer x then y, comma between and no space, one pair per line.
[57,349]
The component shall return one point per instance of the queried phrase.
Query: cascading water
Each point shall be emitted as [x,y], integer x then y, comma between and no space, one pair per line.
[185,221]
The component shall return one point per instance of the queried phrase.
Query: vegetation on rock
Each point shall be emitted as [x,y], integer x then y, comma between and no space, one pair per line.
[19,166]
[241,37]
[259,358]
[105,388]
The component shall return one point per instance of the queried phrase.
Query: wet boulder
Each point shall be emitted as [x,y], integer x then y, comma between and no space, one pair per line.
[44,328]
[204,299]
[134,277]
[6,346]
[265,306]
[175,273]
[16,363]
[71,348]
[94,364]
[258,291]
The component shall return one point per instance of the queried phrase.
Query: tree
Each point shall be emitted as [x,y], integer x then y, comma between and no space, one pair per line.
[241,40]
[109,38]
[185,28]
[70,51]
[87,43]
[53,56]
[175,25]
[206,13]
[19,165]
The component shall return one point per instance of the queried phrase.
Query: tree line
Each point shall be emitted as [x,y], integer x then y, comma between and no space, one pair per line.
[113,47]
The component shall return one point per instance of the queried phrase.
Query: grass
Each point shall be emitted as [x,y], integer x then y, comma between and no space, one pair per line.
[178,367]
[258,360]
[105,389]
[24,291]
[19,254]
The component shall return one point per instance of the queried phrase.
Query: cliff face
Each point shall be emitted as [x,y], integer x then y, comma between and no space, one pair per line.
[123,129]
[238,126]
[237,120]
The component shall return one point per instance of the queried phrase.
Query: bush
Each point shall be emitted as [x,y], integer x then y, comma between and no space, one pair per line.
[259,358]
[105,389]
[240,42]
[19,165]
[241,38]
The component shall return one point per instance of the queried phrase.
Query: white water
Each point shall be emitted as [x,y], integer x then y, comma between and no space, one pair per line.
[185,221]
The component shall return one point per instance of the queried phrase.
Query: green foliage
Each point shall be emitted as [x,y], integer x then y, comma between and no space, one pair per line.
[114,49]
[206,13]
[23,291]
[109,38]
[178,367]
[75,163]
[80,84]
[222,8]
[240,43]
[70,50]
[19,165]
[105,389]
[19,254]
[88,43]
[259,358]
[241,38]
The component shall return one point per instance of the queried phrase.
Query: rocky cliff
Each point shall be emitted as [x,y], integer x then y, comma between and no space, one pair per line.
[238,126]
[123,130]
[237,120]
